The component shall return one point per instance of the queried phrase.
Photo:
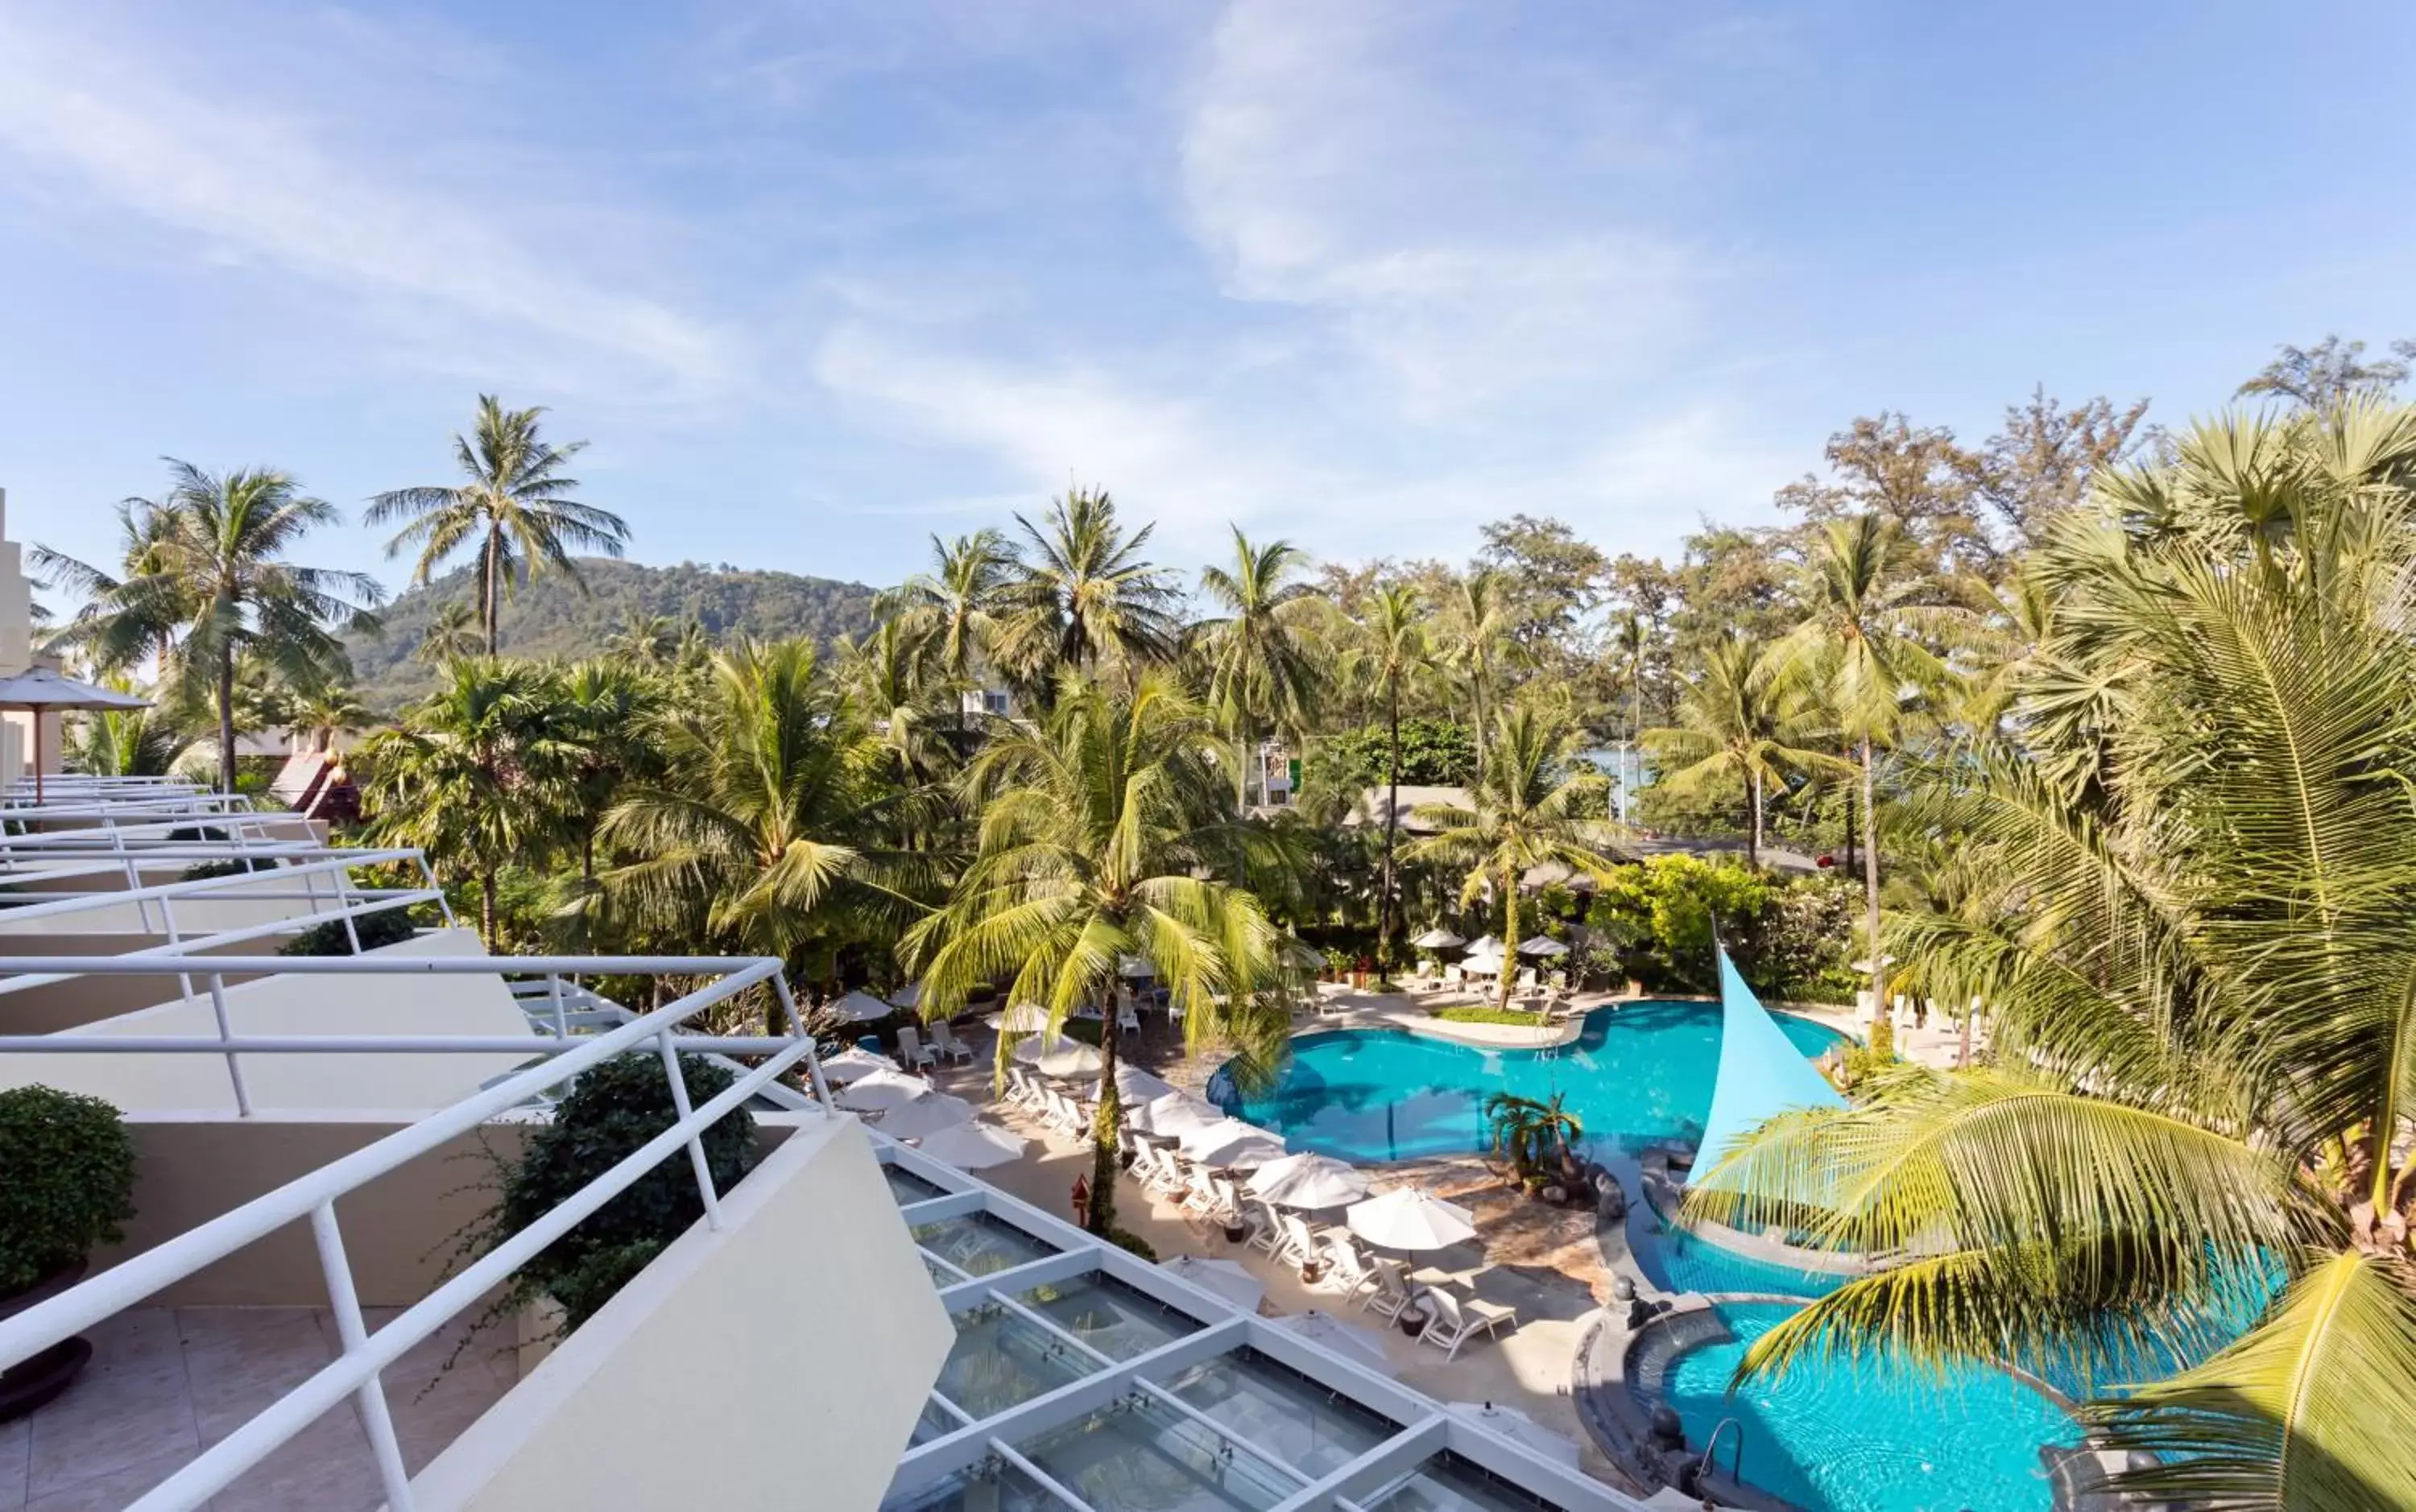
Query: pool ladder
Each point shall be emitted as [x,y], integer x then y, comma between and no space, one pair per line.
[1736,1456]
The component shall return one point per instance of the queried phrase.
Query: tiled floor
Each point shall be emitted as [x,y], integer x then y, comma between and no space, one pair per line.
[165,1383]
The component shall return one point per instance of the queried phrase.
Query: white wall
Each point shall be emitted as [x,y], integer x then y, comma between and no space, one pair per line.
[779,1363]
[205,913]
[315,1004]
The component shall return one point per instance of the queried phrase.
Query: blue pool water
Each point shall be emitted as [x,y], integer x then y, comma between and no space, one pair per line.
[1638,1072]
[1869,1437]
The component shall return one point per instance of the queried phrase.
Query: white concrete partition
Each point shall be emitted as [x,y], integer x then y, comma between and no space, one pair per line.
[778,1362]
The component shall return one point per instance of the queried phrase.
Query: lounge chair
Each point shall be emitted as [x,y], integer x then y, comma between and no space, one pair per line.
[1128,1017]
[1349,1268]
[1454,1319]
[1299,1249]
[1146,1160]
[912,1053]
[1391,1294]
[944,1041]
[1020,1093]
[1454,977]
[1266,1227]
[1526,979]
[1228,1202]
[1173,1178]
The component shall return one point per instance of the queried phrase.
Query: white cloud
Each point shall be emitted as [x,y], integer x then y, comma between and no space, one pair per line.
[255,185]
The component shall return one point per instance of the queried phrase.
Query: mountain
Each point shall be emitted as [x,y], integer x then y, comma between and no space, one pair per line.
[551,618]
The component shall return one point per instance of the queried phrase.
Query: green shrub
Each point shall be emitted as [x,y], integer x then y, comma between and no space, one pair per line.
[387,926]
[1488,1015]
[67,1181]
[610,1112]
[1127,1239]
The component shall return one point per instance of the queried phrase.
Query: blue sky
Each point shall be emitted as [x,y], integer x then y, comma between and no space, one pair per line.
[818,280]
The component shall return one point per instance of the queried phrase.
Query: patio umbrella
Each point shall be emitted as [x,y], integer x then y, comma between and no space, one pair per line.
[1138,1087]
[972,1146]
[908,997]
[1520,1430]
[1220,1278]
[1485,945]
[855,1064]
[1309,1180]
[1056,1054]
[1542,945]
[880,1091]
[1437,938]
[860,1007]
[39,688]
[1229,1142]
[1023,1018]
[1348,1340]
[1135,967]
[925,1115]
[1407,1218]
[1483,966]
[1173,1116]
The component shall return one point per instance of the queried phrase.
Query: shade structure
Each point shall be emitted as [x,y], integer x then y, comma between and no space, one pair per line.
[38,690]
[1135,967]
[860,1007]
[1347,1339]
[1762,1073]
[972,1146]
[925,1116]
[1055,1054]
[1173,1116]
[1521,1429]
[1138,1087]
[908,996]
[1229,1142]
[1485,945]
[1437,939]
[1542,945]
[1482,966]
[1309,1180]
[1222,1278]
[855,1064]
[1409,1218]
[882,1090]
[1023,1018]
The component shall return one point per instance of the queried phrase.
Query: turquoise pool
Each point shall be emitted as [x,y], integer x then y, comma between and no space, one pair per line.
[1872,1437]
[1639,1072]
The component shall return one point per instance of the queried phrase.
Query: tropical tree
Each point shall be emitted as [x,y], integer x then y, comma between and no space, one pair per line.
[647,641]
[1391,647]
[323,710]
[452,632]
[514,503]
[1528,807]
[1096,827]
[2201,976]
[1081,596]
[126,742]
[954,609]
[605,710]
[1743,719]
[887,676]
[210,587]
[1475,632]
[1263,674]
[1530,1133]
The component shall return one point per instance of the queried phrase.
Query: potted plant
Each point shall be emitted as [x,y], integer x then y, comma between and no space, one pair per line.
[66,1184]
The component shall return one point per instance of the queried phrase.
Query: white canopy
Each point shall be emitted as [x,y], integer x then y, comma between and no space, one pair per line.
[1023,1018]
[1135,967]
[855,1064]
[882,1090]
[1485,945]
[1481,965]
[1437,938]
[1348,1340]
[972,1146]
[1309,1180]
[925,1115]
[1221,1277]
[1232,1142]
[1521,1429]
[1407,1218]
[861,1006]
[1139,1087]
[1173,1116]
[38,688]
[1056,1054]
[1542,945]
[907,997]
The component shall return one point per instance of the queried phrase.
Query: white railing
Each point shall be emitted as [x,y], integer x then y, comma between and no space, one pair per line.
[355,1371]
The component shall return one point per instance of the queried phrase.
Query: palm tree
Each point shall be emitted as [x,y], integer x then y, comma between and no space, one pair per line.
[1392,648]
[1081,596]
[210,587]
[1476,623]
[1525,809]
[1743,719]
[887,677]
[2202,979]
[1097,828]
[954,609]
[128,742]
[1531,1132]
[643,640]
[515,504]
[1859,643]
[451,633]
[1263,670]
[477,774]
[605,710]
[325,710]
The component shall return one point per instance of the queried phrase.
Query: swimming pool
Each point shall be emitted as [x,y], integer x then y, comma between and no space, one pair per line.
[1871,1436]
[1639,1072]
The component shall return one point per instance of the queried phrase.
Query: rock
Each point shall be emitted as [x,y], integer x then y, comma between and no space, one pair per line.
[1623,1289]
[1668,1431]
[1610,1202]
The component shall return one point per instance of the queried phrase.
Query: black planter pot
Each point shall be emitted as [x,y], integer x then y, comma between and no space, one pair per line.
[1236,1232]
[33,1382]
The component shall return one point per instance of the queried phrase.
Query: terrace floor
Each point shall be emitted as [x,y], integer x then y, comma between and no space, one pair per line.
[167,1383]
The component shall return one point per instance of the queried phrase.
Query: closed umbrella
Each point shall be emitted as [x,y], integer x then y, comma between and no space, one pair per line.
[1229,1142]
[1309,1180]
[855,1064]
[972,1146]
[1348,1340]
[1023,1018]
[1542,945]
[1220,1278]
[1437,939]
[880,1091]
[1057,1056]
[38,690]
[1407,1218]
[1520,1430]
[1173,1116]
[925,1115]
[861,1006]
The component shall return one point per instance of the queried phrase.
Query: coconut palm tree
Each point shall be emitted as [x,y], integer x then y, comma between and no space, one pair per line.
[126,742]
[605,710]
[1530,1133]
[1263,674]
[1529,807]
[452,632]
[210,588]
[1743,719]
[1391,649]
[2201,981]
[954,609]
[1474,635]
[1082,597]
[1101,831]
[889,677]
[514,504]
[325,710]
[643,640]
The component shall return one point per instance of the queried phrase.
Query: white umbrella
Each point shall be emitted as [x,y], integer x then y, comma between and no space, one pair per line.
[1347,1339]
[1407,1218]
[908,997]
[38,688]
[1173,1116]
[1521,1429]
[1135,967]
[1056,1054]
[1482,966]
[882,1090]
[1221,1277]
[1437,938]
[972,1146]
[1139,1087]
[1542,945]
[1309,1180]
[1232,1142]
[1485,945]
[855,1064]
[925,1115]
[1023,1018]
[861,1006]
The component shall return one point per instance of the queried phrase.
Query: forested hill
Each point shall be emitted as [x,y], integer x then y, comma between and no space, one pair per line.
[549,617]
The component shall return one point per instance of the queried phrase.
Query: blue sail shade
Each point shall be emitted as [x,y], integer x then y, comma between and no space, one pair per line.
[1761,1073]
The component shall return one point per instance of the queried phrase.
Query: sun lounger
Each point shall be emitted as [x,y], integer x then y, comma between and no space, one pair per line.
[1391,1295]
[1454,1318]
[944,1041]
